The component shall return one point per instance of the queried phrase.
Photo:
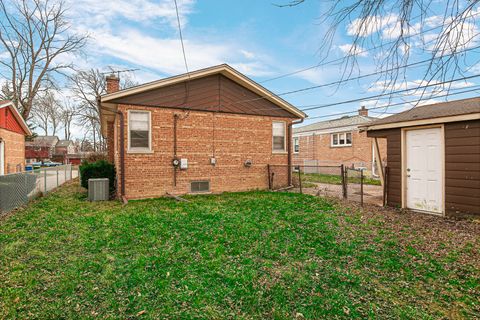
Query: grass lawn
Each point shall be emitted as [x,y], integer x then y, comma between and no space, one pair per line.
[245,255]
[336,179]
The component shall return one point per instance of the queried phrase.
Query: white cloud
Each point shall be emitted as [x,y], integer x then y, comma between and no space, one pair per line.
[350,49]
[370,25]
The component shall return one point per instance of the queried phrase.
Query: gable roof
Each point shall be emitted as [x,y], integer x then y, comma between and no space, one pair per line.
[431,113]
[43,141]
[9,104]
[342,122]
[64,143]
[108,101]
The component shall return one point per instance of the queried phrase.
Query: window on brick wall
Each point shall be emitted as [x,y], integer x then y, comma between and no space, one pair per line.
[343,139]
[139,131]
[278,133]
[296,145]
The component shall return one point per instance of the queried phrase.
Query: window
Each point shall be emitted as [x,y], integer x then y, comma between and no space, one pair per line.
[341,139]
[139,130]
[278,133]
[199,186]
[296,145]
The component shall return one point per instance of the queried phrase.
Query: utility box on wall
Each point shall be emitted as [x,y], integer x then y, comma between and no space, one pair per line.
[183,164]
[98,189]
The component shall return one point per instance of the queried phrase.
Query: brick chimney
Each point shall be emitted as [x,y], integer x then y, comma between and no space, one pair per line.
[113,83]
[363,111]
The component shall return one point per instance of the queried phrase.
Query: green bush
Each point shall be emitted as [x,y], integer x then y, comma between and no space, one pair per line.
[98,169]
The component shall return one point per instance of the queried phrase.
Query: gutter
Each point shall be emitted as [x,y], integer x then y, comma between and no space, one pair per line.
[122,149]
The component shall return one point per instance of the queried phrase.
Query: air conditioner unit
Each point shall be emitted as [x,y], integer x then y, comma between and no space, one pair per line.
[98,189]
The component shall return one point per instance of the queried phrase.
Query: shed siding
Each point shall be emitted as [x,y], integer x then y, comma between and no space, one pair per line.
[394,163]
[462,166]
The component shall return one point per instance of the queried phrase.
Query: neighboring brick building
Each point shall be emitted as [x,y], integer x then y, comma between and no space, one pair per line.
[212,130]
[335,142]
[12,138]
[41,148]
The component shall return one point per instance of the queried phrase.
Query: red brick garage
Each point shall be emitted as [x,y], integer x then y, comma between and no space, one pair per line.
[12,138]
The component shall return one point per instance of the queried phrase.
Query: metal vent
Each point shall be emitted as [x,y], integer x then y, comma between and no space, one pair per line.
[199,186]
[98,189]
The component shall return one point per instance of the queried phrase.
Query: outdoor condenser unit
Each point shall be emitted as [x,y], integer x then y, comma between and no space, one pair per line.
[98,189]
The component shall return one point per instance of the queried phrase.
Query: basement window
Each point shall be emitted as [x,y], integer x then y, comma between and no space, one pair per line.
[341,139]
[199,186]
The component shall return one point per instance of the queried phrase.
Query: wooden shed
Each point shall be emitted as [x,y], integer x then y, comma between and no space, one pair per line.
[433,155]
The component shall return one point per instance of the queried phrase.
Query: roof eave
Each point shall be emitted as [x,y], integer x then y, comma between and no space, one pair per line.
[18,116]
[421,122]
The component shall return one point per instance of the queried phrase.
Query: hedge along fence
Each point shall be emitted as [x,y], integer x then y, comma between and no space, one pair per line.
[98,169]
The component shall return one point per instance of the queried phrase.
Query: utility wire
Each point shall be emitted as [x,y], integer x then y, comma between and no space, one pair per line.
[357,53]
[413,64]
[389,93]
[181,38]
[393,105]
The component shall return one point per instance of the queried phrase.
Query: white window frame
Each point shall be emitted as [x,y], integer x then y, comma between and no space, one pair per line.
[338,134]
[296,142]
[284,138]
[140,150]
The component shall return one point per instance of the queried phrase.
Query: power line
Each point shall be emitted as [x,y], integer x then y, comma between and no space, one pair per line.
[181,38]
[357,53]
[395,104]
[390,93]
[354,78]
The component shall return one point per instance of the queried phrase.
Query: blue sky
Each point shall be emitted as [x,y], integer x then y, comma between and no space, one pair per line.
[259,39]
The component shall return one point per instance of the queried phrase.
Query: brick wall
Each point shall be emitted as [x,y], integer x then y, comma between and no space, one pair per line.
[318,147]
[14,150]
[231,138]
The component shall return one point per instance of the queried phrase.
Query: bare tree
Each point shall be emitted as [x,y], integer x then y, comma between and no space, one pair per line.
[34,33]
[390,30]
[87,87]
[67,116]
[48,113]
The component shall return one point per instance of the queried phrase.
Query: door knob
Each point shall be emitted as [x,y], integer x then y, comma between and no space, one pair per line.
[408,176]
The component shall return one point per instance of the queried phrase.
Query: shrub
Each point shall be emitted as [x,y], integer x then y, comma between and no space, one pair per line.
[96,156]
[98,169]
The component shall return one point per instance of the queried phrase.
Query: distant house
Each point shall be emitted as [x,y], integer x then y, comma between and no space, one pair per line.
[41,148]
[12,138]
[212,130]
[433,157]
[336,142]
[65,151]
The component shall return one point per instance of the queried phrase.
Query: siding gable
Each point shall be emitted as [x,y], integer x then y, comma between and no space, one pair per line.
[214,93]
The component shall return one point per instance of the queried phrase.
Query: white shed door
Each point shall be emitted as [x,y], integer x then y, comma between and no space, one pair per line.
[424,170]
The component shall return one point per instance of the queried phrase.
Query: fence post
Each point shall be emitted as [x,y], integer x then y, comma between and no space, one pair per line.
[342,173]
[65,176]
[57,175]
[269,181]
[300,179]
[44,180]
[361,187]
[385,186]
[345,177]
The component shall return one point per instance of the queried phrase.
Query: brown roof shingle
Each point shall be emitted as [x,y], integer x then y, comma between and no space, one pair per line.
[431,111]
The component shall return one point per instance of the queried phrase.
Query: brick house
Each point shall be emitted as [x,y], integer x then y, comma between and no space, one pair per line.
[335,142]
[65,150]
[41,148]
[212,130]
[12,138]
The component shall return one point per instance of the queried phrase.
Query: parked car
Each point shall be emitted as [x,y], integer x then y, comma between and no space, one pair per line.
[46,163]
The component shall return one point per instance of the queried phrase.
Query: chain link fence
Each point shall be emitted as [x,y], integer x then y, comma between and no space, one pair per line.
[338,181]
[18,189]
